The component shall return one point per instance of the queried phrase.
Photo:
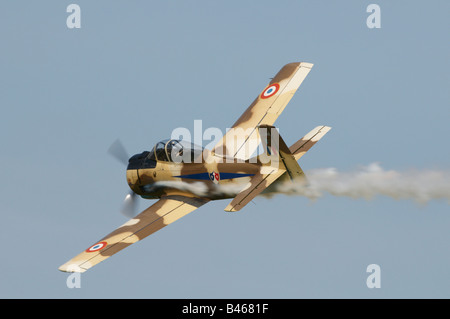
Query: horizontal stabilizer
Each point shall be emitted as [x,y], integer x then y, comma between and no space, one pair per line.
[299,148]
[257,184]
[277,152]
[287,163]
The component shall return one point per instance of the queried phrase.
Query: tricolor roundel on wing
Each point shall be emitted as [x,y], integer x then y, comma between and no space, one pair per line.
[97,247]
[270,91]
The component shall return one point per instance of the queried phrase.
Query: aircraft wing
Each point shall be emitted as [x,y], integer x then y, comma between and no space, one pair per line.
[243,139]
[164,212]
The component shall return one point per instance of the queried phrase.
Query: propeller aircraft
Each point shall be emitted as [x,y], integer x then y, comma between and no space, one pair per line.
[184,177]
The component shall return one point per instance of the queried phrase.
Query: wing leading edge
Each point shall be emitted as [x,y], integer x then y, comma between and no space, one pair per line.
[164,212]
[243,141]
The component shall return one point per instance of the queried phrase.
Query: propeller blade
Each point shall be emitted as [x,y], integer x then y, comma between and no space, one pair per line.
[118,151]
[129,205]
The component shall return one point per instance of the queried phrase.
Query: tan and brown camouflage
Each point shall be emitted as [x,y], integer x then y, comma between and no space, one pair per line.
[228,171]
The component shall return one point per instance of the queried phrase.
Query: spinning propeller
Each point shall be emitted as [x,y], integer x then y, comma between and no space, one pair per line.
[118,151]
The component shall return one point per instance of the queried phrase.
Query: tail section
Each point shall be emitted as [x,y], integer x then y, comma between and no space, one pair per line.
[277,153]
[303,145]
[278,161]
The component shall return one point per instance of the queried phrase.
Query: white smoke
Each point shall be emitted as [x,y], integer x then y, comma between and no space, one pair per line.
[365,182]
[199,188]
[196,188]
[372,180]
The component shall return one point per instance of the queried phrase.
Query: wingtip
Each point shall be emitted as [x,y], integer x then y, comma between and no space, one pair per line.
[301,64]
[307,65]
[71,268]
[231,209]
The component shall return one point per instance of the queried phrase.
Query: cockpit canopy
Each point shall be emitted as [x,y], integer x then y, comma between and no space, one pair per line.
[175,151]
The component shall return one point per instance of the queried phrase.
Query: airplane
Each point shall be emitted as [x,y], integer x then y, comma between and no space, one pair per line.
[184,177]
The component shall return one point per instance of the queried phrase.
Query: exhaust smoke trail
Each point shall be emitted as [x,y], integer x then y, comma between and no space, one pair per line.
[200,189]
[367,182]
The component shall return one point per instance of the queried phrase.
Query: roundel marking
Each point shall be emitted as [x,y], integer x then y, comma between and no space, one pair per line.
[214,177]
[270,91]
[97,247]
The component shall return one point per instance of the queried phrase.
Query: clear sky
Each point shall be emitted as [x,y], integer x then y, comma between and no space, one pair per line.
[136,70]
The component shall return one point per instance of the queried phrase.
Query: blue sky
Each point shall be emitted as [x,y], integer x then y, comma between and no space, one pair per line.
[139,69]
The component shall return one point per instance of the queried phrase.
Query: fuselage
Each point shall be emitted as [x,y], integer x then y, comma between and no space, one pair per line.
[153,174]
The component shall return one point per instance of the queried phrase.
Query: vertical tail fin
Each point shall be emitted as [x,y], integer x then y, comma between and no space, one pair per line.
[279,163]
[277,152]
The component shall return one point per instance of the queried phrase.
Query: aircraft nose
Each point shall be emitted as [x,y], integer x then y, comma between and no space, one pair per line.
[135,161]
[142,161]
